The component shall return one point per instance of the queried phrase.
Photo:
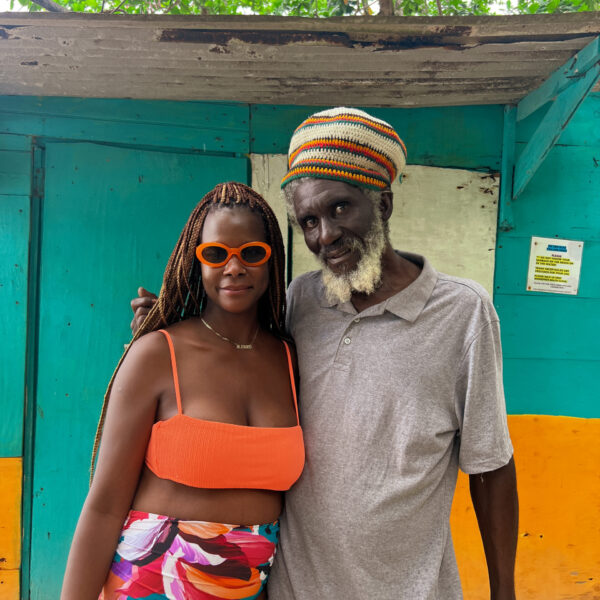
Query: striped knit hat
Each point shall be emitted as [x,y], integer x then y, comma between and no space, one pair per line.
[347,145]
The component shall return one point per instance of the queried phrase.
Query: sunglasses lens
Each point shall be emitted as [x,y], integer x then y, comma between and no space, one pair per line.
[214,254]
[253,254]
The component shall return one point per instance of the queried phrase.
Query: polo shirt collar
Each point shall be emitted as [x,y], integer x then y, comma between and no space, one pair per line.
[406,304]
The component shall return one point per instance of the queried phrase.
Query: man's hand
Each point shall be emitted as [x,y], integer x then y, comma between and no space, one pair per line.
[141,307]
[494,496]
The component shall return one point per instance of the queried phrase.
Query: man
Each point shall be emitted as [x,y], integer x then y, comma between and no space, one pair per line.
[400,370]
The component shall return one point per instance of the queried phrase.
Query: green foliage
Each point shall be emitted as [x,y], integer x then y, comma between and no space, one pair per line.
[322,8]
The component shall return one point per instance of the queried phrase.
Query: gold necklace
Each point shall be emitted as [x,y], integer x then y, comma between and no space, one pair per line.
[234,344]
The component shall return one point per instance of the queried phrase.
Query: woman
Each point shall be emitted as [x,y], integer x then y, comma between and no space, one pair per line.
[201,433]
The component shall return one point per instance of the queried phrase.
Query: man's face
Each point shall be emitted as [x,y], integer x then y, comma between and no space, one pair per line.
[335,218]
[346,232]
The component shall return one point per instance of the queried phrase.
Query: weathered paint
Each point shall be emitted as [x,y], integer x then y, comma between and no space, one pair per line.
[448,215]
[387,61]
[10,527]
[557,462]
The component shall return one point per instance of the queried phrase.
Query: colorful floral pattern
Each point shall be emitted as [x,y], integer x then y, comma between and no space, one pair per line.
[162,558]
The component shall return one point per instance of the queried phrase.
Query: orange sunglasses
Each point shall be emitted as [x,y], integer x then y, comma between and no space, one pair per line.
[252,254]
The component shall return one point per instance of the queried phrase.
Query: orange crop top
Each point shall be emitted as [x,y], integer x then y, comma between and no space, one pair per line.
[211,454]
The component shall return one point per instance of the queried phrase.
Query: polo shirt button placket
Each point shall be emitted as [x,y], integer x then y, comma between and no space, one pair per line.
[347,340]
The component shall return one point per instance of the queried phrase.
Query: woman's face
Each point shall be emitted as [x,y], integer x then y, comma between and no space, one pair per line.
[234,287]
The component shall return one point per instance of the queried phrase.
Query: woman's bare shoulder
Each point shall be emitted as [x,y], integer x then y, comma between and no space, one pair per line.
[146,366]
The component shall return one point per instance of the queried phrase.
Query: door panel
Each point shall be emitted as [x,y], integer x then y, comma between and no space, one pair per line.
[110,219]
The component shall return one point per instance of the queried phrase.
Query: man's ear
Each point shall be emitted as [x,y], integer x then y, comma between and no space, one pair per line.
[387,204]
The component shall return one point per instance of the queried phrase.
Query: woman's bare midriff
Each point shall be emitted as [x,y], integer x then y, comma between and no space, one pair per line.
[231,506]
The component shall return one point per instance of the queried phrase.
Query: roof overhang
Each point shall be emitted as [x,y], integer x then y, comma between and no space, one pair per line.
[362,61]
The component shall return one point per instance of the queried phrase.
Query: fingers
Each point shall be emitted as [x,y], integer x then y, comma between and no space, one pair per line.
[143,292]
[141,306]
[144,303]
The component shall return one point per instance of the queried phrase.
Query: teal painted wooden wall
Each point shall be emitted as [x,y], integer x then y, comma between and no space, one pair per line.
[552,356]
[550,341]
[551,349]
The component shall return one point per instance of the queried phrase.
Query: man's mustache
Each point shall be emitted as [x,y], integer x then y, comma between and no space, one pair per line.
[344,244]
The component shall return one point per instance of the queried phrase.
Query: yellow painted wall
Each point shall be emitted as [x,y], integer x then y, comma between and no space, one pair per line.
[10,527]
[558,471]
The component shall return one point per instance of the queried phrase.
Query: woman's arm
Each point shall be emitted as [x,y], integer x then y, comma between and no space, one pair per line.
[129,419]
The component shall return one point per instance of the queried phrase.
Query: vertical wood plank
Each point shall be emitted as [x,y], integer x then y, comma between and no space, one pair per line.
[14,240]
[506,219]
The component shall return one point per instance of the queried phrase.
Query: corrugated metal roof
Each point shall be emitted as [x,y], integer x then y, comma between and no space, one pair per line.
[374,61]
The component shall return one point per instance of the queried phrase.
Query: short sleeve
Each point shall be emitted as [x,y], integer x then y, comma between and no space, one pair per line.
[481,410]
[291,305]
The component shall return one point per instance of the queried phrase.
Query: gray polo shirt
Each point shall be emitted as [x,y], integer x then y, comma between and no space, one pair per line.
[393,400]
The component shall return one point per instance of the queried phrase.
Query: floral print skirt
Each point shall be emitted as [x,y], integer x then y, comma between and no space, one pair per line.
[163,558]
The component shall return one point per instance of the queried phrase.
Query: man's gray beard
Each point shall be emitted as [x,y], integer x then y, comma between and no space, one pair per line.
[366,277]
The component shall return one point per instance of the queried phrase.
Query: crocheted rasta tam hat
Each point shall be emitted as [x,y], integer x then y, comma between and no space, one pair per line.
[347,145]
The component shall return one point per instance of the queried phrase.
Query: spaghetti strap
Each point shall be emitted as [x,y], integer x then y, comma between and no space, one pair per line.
[292,379]
[174,369]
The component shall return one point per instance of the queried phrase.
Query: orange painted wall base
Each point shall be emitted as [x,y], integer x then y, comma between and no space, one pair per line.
[558,472]
[10,527]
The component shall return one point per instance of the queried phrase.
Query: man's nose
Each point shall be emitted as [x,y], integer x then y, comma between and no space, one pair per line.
[329,232]
[234,267]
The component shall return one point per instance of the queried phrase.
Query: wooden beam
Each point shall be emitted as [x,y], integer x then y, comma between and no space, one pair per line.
[505,213]
[554,122]
[561,79]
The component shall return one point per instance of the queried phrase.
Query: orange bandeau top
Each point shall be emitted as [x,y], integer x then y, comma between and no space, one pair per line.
[211,454]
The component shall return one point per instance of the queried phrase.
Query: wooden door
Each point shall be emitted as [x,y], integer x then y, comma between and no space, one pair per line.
[110,217]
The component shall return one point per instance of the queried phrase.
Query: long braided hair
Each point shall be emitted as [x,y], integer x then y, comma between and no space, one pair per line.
[182,294]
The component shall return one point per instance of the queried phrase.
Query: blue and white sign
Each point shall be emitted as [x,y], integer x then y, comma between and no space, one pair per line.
[554,266]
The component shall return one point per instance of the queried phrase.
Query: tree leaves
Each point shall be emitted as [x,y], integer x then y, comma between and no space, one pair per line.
[322,8]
